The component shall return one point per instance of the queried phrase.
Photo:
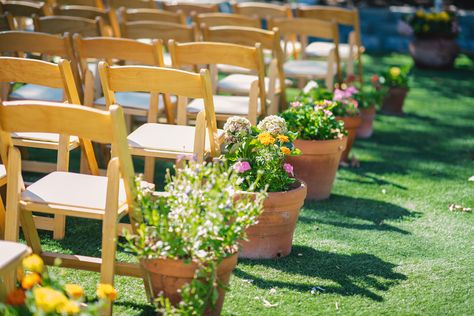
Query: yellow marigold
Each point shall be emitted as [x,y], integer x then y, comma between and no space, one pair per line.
[420,13]
[283,138]
[266,138]
[49,300]
[285,150]
[30,280]
[443,16]
[33,263]
[106,291]
[395,71]
[70,308]
[74,291]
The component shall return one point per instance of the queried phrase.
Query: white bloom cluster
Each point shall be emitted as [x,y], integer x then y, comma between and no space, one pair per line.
[273,124]
[236,128]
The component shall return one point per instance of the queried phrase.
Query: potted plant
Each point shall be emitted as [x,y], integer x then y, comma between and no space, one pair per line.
[258,154]
[434,45]
[369,98]
[396,81]
[190,235]
[40,292]
[322,139]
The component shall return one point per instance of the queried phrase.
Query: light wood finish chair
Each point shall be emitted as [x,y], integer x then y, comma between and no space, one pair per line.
[109,17]
[6,22]
[129,51]
[155,15]
[211,53]
[107,198]
[3,181]
[190,9]
[136,4]
[22,11]
[239,84]
[347,52]
[226,19]
[167,141]
[262,10]
[60,76]
[11,258]
[304,69]
[69,24]
[89,3]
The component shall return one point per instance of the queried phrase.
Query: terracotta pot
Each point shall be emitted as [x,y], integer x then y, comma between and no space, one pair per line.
[434,53]
[351,124]
[168,276]
[366,128]
[318,164]
[272,236]
[393,102]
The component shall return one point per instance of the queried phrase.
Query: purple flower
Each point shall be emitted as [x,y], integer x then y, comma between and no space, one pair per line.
[242,166]
[289,169]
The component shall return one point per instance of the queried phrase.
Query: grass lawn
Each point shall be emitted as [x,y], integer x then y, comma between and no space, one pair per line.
[384,243]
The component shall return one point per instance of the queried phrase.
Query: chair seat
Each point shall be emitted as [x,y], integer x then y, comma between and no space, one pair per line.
[165,137]
[306,68]
[167,59]
[71,190]
[3,171]
[135,100]
[227,105]
[44,137]
[12,253]
[322,49]
[37,92]
[240,84]
[229,69]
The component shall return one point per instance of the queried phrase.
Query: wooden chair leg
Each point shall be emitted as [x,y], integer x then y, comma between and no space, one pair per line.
[149,171]
[12,216]
[30,231]
[2,219]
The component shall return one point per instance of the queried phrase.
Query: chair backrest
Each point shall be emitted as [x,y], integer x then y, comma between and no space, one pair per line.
[22,8]
[155,15]
[69,24]
[6,22]
[212,53]
[262,10]
[137,4]
[89,3]
[159,30]
[108,16]
[68,119]
[162,80]
[189,9]
[226,19]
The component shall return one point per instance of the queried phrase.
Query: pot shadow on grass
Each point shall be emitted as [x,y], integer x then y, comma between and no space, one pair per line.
[354,274]
[342,211]
[145,310]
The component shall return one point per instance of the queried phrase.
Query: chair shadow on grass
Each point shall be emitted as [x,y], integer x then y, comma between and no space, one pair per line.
[354,274]
[346,212]
[145,310]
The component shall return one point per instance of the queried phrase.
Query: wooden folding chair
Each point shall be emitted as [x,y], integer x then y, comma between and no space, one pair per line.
[14,69]
[347,52]
[3,181]
[69,24]
[89,3]
[239,84]
[155,15]
[262,10]
[190,9]
[109,17]
[22,11]
[11,258]
[6,22]
[107,198]
[303,69]
[135,4]
[210,53]
[128,51]
[226,19]
[152,139]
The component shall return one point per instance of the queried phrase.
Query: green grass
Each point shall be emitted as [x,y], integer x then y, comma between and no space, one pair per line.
[384,243]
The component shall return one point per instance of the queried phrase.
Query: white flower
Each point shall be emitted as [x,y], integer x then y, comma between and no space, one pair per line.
[273,124]
[236,128]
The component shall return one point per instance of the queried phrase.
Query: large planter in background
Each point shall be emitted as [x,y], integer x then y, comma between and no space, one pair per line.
[394,100]
[366,128]
[318,165]
[351,124]
[169,276]
[272,236]
[434,53]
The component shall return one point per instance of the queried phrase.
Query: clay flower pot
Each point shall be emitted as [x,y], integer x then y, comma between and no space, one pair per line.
[434,53]
[272,236]
[318,164]
[351,124]
[366,128]
[168,276]
[393,102]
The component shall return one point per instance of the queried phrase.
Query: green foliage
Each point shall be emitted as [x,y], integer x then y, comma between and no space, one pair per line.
[396,77]
[434,25]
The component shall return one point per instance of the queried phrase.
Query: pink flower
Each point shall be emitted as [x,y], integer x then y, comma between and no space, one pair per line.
[375,79]
[339,95]
[296,104]
[350,91]
[242,166]
[327,113]
[289,169]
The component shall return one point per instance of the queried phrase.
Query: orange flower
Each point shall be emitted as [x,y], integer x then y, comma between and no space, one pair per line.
[16,297]
[30,280]
[285,150]
[74,291]
[106,291]
[266,138]
[283,138]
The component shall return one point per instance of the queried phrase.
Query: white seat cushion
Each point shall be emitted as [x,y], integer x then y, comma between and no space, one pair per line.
[166,137]
[309,68]
[45,137]
[36,92]
[167,59]
[135,100]
[3,171]
[71,189]
[322,49]
[231,105]
[229,69]
[240,83]
[12,253]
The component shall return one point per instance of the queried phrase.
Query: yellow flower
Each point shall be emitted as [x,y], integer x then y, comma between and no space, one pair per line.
[285,150]
[49,300]
[74,291]
[431,16]
[420,13]
[30,280]
[70,308]
[395,71]
[266,138]
[106,291]
[443,16]
[33,263]
[283,138]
